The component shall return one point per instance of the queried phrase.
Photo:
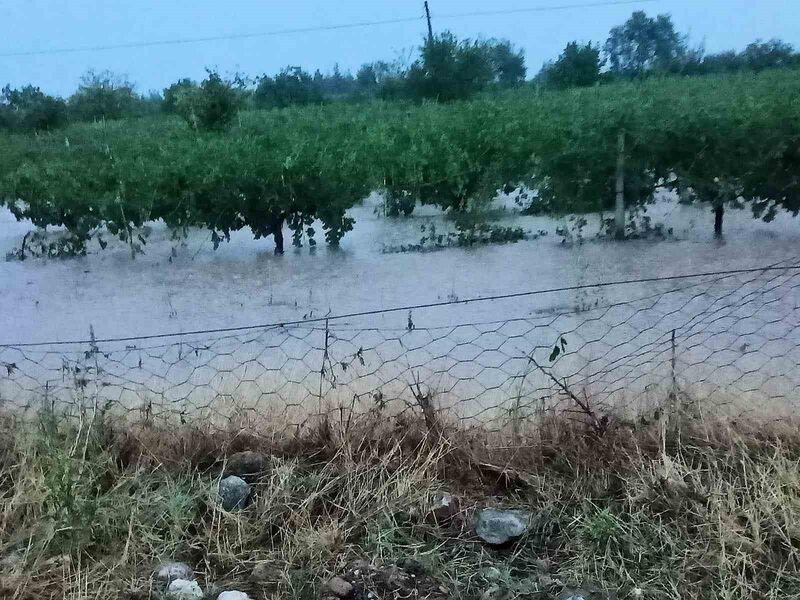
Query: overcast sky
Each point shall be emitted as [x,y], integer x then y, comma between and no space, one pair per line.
[31,25]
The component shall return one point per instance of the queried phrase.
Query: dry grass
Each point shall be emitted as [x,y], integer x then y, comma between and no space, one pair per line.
[712,513]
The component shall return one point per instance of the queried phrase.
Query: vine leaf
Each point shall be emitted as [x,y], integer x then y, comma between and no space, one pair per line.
[559,349]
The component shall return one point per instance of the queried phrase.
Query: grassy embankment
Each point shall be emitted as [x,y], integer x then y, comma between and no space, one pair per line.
[88,510]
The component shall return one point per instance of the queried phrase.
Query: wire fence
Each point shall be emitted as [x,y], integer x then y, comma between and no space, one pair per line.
[727,343]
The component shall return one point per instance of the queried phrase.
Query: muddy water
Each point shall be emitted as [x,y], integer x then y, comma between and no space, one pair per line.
[243,283]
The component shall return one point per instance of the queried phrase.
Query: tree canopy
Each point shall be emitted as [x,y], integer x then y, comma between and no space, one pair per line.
[577,66]
[30,109]
[644,44]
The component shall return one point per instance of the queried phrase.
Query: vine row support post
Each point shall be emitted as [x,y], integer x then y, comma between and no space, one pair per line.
[674,408]
[619,214]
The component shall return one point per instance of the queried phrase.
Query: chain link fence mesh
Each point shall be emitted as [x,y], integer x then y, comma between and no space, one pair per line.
[727,343]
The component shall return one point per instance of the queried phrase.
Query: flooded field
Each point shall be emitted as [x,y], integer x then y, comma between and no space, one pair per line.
[736,340]
[243,283]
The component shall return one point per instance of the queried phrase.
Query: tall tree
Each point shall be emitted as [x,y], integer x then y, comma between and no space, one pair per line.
[508,63]
[577,66]
[452,69]
[643,44]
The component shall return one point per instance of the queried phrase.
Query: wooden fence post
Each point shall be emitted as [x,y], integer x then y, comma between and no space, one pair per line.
[619,215]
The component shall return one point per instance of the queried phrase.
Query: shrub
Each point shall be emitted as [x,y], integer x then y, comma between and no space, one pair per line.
[174,92]
[212,106]
[577,66]
[103,96]
[30,109]
[449,69]
[292,86]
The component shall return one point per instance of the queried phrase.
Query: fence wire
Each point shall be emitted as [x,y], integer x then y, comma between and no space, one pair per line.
[727,343]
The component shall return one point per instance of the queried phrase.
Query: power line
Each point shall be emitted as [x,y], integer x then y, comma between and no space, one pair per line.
[213,38]
[514,11]
[395,309]
[297,30]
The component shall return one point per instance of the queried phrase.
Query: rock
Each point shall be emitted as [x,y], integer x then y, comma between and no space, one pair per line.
[234,492]
[339,587]
[248,465]
[168,572]
[498,526]
[233,595]
[444,508]
[183,589]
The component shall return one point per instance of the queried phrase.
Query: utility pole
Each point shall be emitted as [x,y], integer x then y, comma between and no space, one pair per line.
[430,28]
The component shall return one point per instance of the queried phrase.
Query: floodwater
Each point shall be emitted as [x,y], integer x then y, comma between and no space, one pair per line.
[242,283]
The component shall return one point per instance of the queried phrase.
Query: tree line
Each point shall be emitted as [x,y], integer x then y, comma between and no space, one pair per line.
[445,69]
[646,47]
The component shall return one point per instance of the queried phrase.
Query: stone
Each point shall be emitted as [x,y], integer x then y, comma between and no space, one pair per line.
[339,587]
[234,492]
[183,589]
[233,595]
[501,526]
[248,465]
[443,508]
[168,572]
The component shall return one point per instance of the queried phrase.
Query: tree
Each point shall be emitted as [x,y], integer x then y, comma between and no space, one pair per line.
[757,57]
[643,44]
[292,86]
[212,106]
[103,96]
[764,55]
[723,62]
[174,92]
[577,66]
[367,76]
[508,64]
[449,69]
[382,79]
[337,84]
[30,109]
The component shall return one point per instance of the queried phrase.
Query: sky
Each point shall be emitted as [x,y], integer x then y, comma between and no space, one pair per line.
[33,25]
